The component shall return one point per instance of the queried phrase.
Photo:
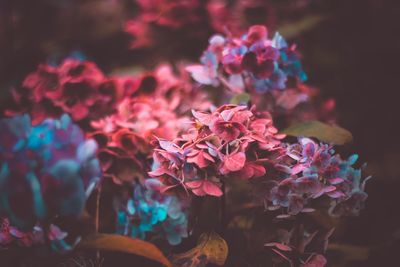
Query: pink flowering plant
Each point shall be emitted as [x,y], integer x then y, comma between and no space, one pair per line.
[147,163]
[231,141]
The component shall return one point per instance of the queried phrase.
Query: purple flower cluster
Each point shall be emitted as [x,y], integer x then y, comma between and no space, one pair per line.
[250,63]
[311,170]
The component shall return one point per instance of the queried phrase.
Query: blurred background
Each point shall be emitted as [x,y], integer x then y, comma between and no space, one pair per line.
[350,48]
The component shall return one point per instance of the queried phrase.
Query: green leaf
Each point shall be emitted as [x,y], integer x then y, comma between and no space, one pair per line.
[327,133]
[211,248]
[294,29]
[119,243]
[242,98]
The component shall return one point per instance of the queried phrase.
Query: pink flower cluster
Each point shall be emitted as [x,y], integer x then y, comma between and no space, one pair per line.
[230,141]
[235,141]
[154,109]
[125,137]
[170,14]
[154,17]
[78,88]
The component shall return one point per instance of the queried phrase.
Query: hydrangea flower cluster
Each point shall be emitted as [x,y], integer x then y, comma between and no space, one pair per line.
[175,87]
[233,15]
[75,87]
[125,137]
[268,71]
[154,109]
[155,18]
[250,63]
[312,170]
[231,141]
[234,141]
[46,170]
[169,14]
[148,211]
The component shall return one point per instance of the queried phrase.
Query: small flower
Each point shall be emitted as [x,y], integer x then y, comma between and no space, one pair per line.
[256,33]
[232,59]
[148,211]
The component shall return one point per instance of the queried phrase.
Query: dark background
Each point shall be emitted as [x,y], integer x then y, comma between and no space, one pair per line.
[353,55]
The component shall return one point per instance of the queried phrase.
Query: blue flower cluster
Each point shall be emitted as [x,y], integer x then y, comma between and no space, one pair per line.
[151,211]
[46,170]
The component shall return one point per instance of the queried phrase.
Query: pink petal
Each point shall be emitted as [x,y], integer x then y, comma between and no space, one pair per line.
[235,161]
[336,180]
[212,189]
[199,192]
[194,184]
[279,246]
[203,117]
[157,172]
[169,146]
[336,194]
[201,74]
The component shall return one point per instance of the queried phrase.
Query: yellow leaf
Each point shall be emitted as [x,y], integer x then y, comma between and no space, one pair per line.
[211,248]
[118,243]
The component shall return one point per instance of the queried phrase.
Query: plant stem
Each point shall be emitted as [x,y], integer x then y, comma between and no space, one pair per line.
[97,217]
[223,207]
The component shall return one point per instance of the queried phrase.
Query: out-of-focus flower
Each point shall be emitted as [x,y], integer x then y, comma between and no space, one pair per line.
[168,13]
[126,136]
[148,211]
[45,170]
[75,87]
[10,235]
[156,15]
[237,15]
[232,141]
[153,108]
